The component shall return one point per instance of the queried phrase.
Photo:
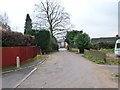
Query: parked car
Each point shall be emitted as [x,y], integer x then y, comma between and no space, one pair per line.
[117,48]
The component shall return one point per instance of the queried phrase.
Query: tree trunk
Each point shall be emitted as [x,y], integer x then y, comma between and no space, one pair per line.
[81,50]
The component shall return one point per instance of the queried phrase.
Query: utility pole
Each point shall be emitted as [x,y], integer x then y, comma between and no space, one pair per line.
[119,18]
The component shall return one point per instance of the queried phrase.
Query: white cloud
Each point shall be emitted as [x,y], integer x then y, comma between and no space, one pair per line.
[99,18]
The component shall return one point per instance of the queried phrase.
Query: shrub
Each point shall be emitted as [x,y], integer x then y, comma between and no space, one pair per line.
[94,46]
[11,39]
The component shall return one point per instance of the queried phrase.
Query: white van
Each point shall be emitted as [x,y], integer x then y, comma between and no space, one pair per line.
[117,48]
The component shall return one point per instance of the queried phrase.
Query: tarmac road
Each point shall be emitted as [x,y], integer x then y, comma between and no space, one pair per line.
[68,70]
[9,80]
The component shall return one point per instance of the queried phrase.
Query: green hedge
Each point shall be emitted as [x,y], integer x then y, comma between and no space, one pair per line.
[100,45]
[42,39]
[11,39]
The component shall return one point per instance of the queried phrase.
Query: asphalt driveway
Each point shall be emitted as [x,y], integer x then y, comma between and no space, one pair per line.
[68,70]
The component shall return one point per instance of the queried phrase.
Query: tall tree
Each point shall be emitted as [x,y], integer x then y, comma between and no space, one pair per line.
[70,37]
[28,25]
[82,41]
[51,15]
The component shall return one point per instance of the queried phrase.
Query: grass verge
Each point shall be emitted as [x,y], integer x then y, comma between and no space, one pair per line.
[93,58]
[109,51]
[100,57]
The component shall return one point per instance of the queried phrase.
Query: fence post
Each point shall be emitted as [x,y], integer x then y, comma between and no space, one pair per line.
[18,61]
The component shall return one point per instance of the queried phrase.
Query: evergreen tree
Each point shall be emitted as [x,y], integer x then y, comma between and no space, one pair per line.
[82,41]
[28,25]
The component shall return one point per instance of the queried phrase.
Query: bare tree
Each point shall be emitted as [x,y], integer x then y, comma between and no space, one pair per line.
[4,18]
[50,14]
[5,21]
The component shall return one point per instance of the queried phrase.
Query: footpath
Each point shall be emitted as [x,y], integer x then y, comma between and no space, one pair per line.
[27,64]
[13,76]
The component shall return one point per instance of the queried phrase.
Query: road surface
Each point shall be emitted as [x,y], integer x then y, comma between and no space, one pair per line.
[68,70]
[9,80]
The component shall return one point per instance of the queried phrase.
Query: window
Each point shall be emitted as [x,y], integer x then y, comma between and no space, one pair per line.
[118,45]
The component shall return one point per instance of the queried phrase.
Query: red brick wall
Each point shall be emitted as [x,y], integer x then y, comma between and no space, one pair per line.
[9,54]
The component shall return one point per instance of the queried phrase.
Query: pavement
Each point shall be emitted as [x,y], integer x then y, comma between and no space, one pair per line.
[30,63]
[14,76]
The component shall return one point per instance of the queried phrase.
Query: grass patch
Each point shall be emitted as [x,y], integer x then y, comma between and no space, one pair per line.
[94,58]
[112,61]
[109,51]
[117,75]
[100,57]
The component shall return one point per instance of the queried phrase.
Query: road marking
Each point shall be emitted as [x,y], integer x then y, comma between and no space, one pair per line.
[25,78]
[29,74]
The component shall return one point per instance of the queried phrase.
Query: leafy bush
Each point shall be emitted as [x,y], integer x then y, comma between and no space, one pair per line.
[11,39]
[94,46]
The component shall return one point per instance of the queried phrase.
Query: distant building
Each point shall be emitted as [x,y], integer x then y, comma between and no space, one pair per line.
[105,39]
[62,43]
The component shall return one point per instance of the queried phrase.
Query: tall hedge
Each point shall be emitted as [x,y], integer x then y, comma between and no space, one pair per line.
[105,45]
[11,39]
[42,39]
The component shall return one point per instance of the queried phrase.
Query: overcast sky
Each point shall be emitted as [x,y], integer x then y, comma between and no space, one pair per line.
[98,18]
